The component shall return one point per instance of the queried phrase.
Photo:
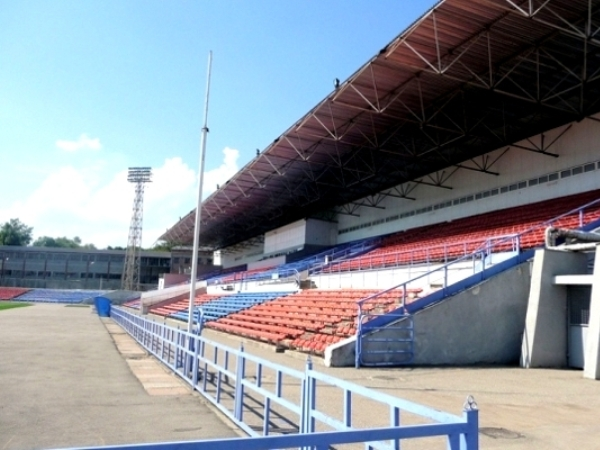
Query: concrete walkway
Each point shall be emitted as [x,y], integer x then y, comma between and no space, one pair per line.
[63,383]
[68,378]
[535,409]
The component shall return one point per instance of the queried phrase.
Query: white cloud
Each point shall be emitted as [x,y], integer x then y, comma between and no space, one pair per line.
[83,143]
[96,204]
[221,174]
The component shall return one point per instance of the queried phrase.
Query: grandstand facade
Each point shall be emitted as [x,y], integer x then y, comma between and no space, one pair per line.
[61,268]
[425,180]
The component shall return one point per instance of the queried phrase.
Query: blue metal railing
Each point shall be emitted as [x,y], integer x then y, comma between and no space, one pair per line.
[291,271]
[258,395]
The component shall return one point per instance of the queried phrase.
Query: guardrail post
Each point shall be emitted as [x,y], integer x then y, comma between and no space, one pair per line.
[188,356]
[240,369]
[445,277]
[307,403]
[470,440]
[395,422]
[195,365]
[357,343]
[163,339]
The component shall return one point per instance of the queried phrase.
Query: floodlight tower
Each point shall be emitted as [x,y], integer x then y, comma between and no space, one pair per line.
[130,280]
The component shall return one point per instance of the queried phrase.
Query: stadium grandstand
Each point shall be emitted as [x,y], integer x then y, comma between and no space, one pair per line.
[397,221]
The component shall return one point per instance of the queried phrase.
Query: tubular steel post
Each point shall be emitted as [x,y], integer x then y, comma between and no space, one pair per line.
[194,269]
[395,422]
[239,388]
[445,277]
[470,440]
[304,400]
[195,366]
[357,343]
[311,395]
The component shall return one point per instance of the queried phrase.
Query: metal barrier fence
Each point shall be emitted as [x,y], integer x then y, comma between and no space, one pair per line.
[280,407]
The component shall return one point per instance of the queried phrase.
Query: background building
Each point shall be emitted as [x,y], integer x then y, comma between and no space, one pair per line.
[66,268]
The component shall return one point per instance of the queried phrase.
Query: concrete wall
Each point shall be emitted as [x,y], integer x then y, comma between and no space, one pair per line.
[482,325]
[267,263]
[172,279]
[287,237]
[320,232]
[388,278]
[244,253]
[592,350]
[152,298]
[545,336]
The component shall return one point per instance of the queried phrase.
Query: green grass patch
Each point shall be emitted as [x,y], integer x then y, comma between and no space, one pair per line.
[11,305]
[78,305]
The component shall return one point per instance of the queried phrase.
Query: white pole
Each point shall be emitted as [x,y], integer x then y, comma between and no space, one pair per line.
[194,270]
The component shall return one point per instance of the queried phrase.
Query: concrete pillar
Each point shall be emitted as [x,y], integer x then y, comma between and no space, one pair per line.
[545,335]
[592,346]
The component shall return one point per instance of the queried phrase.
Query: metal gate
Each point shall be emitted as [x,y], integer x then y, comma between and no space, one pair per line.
[578,301]
[392,345]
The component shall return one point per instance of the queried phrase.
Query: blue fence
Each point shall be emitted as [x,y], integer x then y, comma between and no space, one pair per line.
[280,407]
[58,295]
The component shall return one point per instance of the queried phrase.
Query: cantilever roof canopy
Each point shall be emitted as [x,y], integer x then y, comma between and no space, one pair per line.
[468,77]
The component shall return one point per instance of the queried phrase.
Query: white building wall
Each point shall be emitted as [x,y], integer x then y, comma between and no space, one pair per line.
[246,255]
[319,232]
[285,238]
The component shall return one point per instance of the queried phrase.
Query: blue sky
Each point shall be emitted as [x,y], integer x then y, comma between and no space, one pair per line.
[90,88]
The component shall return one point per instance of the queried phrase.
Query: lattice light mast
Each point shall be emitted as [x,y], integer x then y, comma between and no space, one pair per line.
[130,280]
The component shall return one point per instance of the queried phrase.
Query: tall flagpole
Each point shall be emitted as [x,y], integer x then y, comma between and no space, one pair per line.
[194,272]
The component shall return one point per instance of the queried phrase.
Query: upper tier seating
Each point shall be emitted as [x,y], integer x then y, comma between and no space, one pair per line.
[8,293]
[445,241]
[308,320]
[346,250]
[58,295]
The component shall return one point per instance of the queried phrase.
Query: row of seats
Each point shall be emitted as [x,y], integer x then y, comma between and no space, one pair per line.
[58,295]
[309,320]
[228,304]
[346,250]
[170,307]
[8,293]
[444,241]
[135,304]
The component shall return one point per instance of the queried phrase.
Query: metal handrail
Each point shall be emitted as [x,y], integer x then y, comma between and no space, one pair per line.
[236,376]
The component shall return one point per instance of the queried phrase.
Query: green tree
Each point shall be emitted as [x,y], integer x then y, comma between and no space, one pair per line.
[163,246]
[15,232]
[61,242]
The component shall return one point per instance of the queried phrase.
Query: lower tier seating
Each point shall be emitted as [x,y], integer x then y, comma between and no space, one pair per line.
[8,293]
[309,320]
[58,295]
[169,307]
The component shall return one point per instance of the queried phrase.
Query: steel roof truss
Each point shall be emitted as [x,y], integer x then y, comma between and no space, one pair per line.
[438,178]
[262,186]
[402,191]
[240,189]
[544,146]
[272,165]
[372,201]
[348,209]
